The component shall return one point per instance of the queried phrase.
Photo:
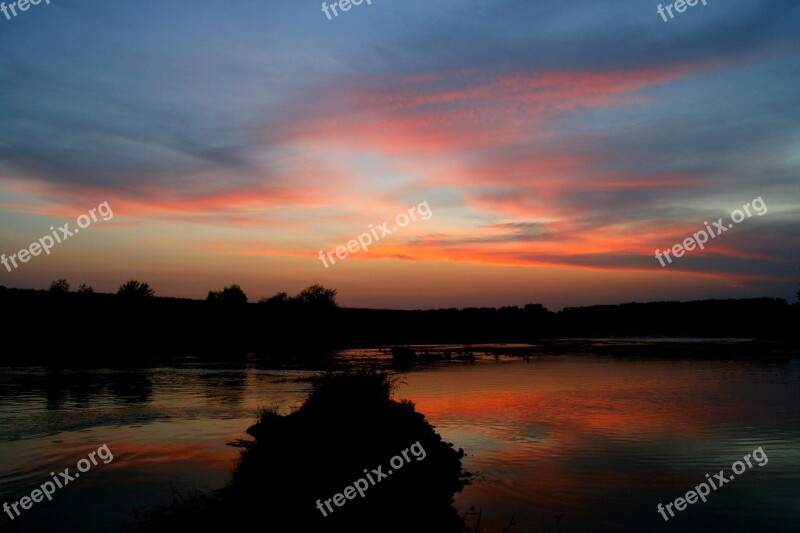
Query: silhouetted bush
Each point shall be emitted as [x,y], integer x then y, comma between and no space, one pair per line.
[59,286]
[233,295]
[280,299]
[348,425]
[135,290]
[317,296]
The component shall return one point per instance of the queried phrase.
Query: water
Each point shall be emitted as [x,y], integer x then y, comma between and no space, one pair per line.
[598,439]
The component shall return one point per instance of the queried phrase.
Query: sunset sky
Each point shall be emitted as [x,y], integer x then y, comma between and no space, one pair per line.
[558,145]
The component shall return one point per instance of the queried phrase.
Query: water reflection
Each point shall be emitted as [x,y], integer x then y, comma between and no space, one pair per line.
[600,440]
[603,440]
[225,388]
[74,388]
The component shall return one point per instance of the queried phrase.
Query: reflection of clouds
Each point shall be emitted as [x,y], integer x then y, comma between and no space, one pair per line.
[631,402]
[484,436]
[156,448]
[601,439]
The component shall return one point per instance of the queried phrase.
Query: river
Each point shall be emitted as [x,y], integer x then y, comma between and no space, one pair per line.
[597,439]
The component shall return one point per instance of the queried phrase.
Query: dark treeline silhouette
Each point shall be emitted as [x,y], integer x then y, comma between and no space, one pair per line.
[135,325]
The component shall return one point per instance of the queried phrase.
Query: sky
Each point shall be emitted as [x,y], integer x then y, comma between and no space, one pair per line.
[552,146]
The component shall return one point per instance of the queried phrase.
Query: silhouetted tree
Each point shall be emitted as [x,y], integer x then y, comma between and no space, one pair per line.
[135,289]
[280,298]
[317,296]
[85,289]
[59,286]
[228,295]
[535,308]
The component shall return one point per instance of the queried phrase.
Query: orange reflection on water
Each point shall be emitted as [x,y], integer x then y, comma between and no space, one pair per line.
[572,434]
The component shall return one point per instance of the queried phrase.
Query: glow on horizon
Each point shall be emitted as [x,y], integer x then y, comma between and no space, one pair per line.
[550,180]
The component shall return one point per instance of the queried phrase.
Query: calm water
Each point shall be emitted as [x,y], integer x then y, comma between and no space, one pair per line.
[600,440]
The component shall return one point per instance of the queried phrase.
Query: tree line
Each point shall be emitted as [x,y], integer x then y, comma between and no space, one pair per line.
[312,296]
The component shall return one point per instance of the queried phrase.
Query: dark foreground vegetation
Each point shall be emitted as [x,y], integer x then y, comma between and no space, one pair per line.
[134,325]
[348,425]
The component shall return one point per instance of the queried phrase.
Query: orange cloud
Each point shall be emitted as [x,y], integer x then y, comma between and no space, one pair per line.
[464,109]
